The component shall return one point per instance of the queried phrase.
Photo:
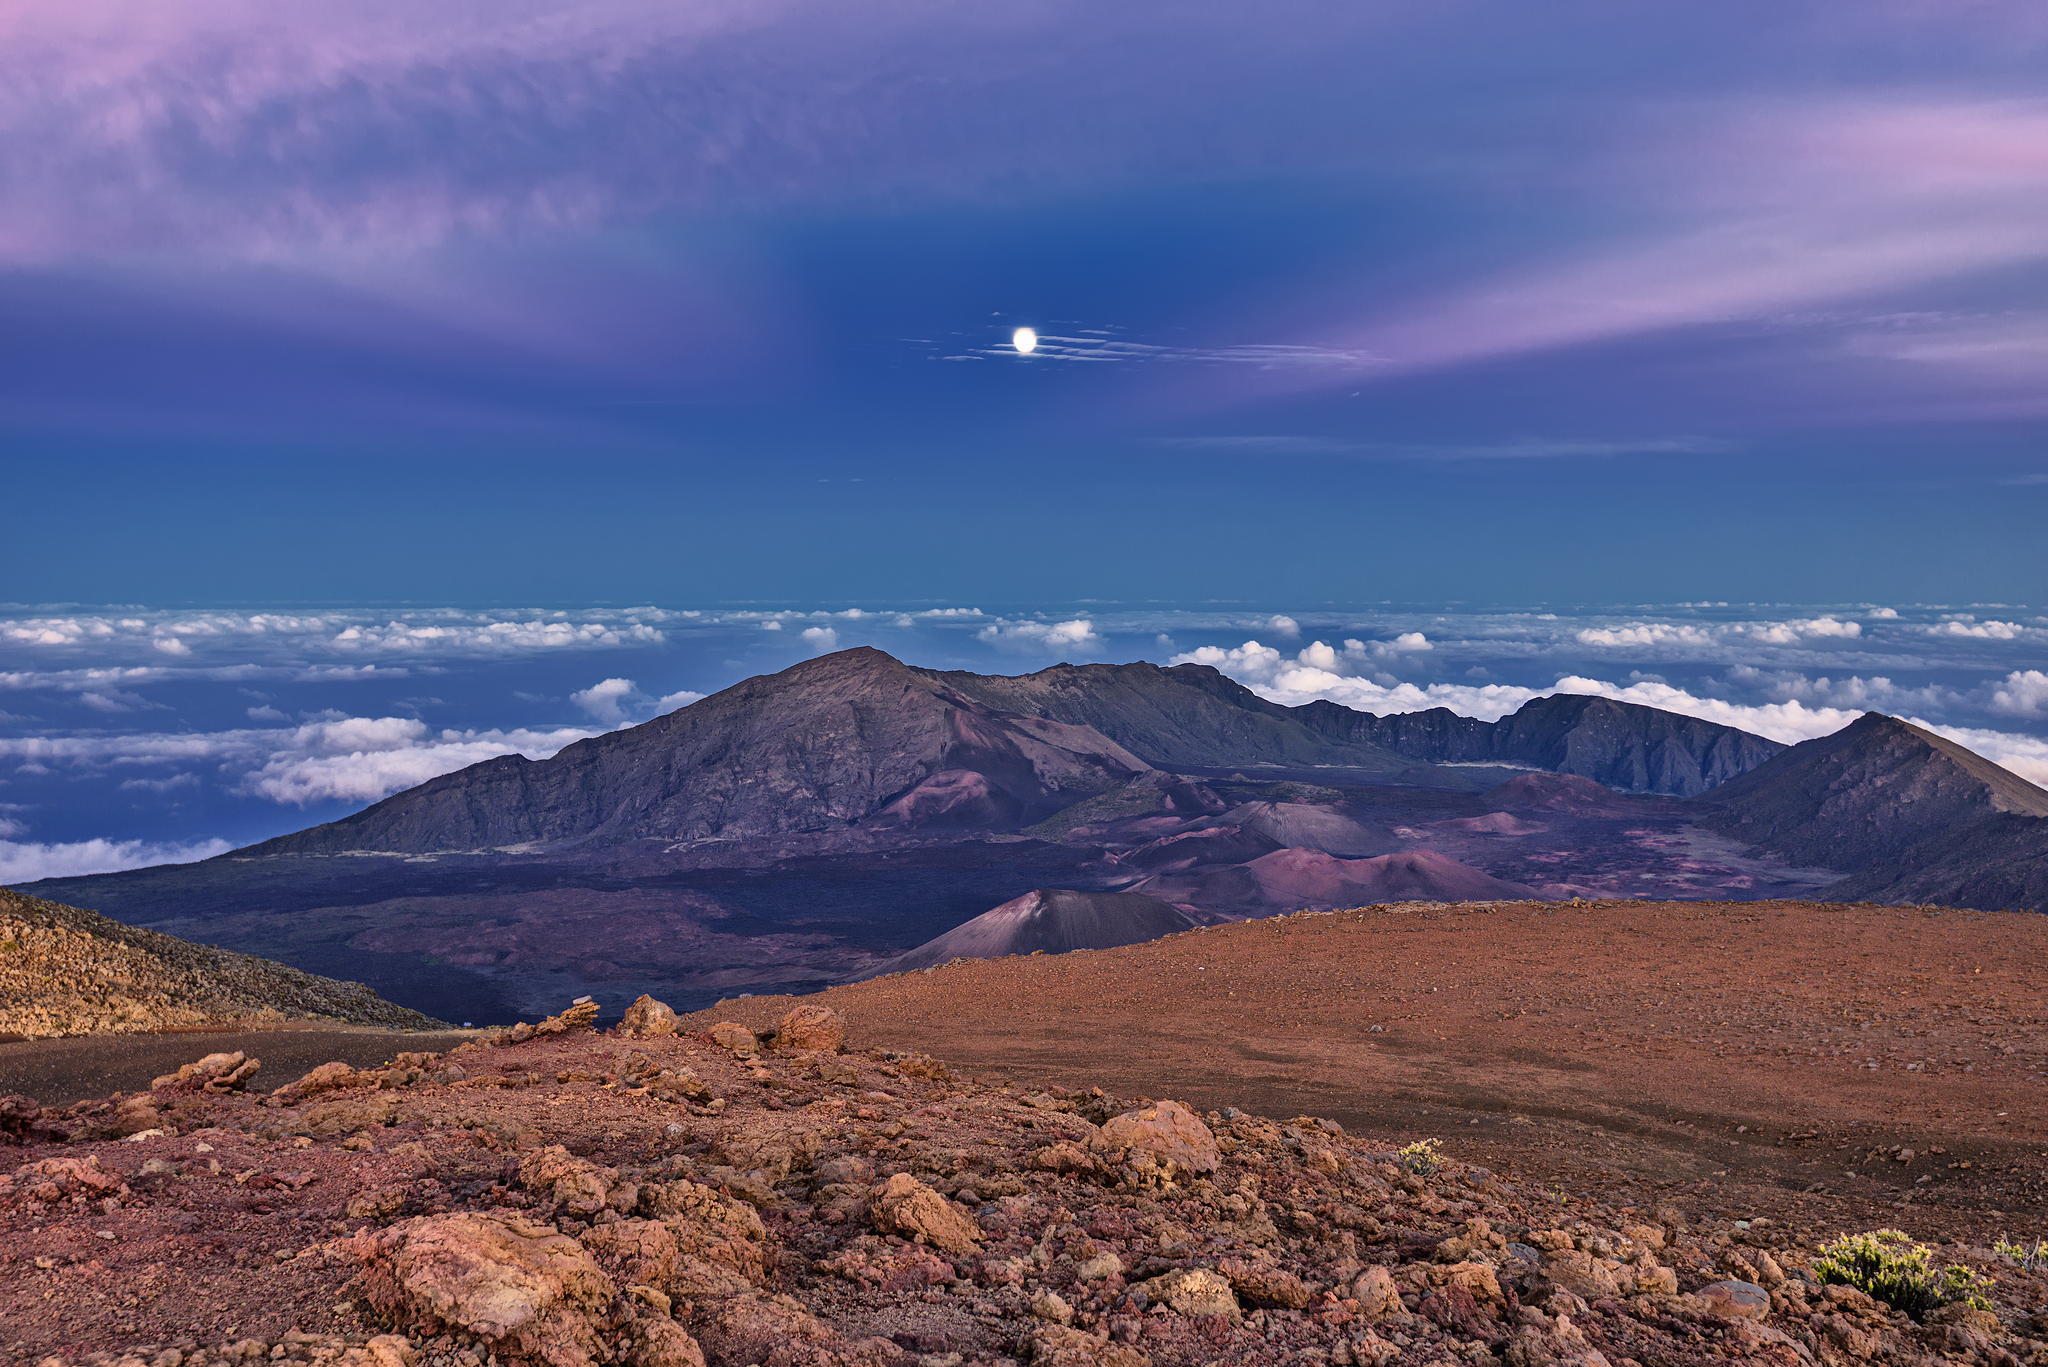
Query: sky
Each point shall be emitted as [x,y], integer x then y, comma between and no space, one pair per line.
[324,326]
[708,300]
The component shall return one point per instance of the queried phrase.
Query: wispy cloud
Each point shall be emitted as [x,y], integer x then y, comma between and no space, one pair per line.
[1524,448]
[1747,212]
[1104,346]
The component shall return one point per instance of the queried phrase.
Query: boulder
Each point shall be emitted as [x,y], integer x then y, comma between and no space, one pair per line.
[574,1185]
[1163,1141]
[1376,1293]
[720,1243]
[649,1018]
[810,1026]
[1054,1345]
[1265,1285]
[1193,1291]
[1735,1300]
[580,1014]
[214,1073]
[735,1039]
[1581,1274]
[522,1289]
[903,1205]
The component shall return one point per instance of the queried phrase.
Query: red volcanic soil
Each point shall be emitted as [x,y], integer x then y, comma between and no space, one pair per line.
[553,1196]
[1845,1064]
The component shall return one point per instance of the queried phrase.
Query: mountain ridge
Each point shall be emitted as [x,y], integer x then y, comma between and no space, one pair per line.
[1624,745]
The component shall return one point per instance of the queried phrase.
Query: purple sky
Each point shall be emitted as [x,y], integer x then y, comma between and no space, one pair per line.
[709,252]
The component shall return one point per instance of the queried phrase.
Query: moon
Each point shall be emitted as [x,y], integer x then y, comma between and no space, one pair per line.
[1025,340]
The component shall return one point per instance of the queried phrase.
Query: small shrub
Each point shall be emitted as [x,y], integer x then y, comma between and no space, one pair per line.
[2033,1259]
[1422,1158]
[1888,1265]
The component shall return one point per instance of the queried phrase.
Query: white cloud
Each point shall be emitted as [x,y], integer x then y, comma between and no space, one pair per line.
[1883,614]
[605,700]
[502,637]
[617,702]
[1075,634]
[1284,625]
[1689,635]
[1977,631]
[820,639]
[1638,634]
[1873,693]
[364,759]
[772,624]
[26,862]
[2024,693]
[669,702]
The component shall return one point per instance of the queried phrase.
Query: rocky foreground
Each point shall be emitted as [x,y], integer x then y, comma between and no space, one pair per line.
[68,971]
[557,1195]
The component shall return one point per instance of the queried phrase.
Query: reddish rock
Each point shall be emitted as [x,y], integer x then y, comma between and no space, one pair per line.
[575,1186]
[648,1018]
[735,1038]
[1735,1300]
[1165,1140]
[903,1205]
[214,1073]
[810,1026]
[525,1290]
[1193,1291]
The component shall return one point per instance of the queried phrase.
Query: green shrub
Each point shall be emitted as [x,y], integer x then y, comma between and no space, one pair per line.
[2030,1259]
[1422,1158]
[1888,1265]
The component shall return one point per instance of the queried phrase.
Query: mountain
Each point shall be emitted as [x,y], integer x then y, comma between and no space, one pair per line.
[1299,880]
[1868,793]
[1051,921]
[1623,745]
[67,971]
[859,739]
[1907,814]
[846,738]
[804,827]
[1190,716]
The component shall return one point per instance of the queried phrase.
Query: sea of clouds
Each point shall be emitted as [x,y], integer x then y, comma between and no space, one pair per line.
[134,736]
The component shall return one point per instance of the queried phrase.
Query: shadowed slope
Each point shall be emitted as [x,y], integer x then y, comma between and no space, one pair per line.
[1050,921]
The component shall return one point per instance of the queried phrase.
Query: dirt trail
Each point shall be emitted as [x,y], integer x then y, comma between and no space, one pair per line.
[1757,1058]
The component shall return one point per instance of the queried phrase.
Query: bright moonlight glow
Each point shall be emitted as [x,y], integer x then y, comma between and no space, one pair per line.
[1025,340]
